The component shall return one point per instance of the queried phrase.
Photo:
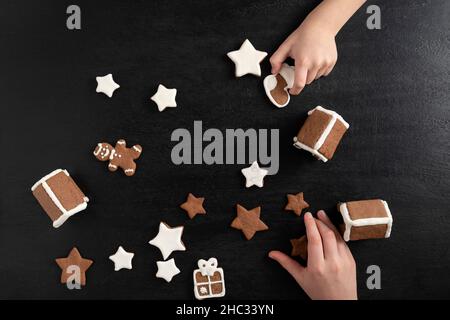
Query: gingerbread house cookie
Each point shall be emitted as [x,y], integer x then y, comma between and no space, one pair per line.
[59,196]
[321,133]
[277,86]
[365,219]
[208,280]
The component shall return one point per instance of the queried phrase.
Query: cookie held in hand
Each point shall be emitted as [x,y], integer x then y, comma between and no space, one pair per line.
[119,156]
[277,86]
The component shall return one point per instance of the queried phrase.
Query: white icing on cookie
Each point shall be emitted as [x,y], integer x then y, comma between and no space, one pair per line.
[349,223]
[65,214]
[319,143]
[122,259]
[165,98]
[168,240]
[208,268]
[167,269]
[270,82]
[254,175]
[106,85]
[247,59]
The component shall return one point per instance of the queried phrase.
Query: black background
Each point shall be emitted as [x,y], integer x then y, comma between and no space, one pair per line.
[391,85]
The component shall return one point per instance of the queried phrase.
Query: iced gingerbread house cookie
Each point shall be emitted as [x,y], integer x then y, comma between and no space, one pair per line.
[59,196]
[208,280]
[321,133]
[277,86]
[365,219]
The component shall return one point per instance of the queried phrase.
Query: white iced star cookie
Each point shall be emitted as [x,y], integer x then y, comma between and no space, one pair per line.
[168,240]
[167,269]
[106,85]
[165,98]
[122,259]
[254,175]
[247,59]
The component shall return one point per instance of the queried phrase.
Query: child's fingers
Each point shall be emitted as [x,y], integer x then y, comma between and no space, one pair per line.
[330,248]
[321,72]
[312,73]
[324,218]
[277,59]
[300,79]
[329,69]
[315,247]
[289,264]
[342,245]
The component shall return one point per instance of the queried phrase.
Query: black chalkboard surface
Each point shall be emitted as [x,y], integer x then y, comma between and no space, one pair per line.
[391,85]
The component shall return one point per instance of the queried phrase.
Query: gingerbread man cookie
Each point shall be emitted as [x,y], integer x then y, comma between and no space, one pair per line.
[119,157]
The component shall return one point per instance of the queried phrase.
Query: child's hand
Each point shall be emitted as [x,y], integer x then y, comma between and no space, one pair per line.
[331,269]
[314,51]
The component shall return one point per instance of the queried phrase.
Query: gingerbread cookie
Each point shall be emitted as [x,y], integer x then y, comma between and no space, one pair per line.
[248,221]
[296,203]
[300,247]
[321,133]
[59,196]
[74,266]
[119,157]
[365,219]
[193,206]
[277,86]
[208,280]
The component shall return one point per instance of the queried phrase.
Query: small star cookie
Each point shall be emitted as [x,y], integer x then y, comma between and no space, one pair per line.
[122,259]
[254,175]
[248,221]
[247,59]
[167,269]
[296,203]
[193,206]
[106,85]
[165,98]
[168,240]
[300,247]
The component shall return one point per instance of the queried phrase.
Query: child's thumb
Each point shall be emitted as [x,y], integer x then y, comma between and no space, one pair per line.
[277,59]
[290,265]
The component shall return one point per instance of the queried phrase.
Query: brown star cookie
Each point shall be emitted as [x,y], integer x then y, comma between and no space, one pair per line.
[248,221]
[300,247]
[193,206]
[296,203]
[74,259]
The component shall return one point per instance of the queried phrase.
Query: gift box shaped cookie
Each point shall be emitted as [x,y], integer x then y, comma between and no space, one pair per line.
[208,280]
[365,219]
[59,196]
[321,133]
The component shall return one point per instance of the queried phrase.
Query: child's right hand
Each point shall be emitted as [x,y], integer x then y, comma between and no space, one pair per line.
[331,270]
[313,48]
